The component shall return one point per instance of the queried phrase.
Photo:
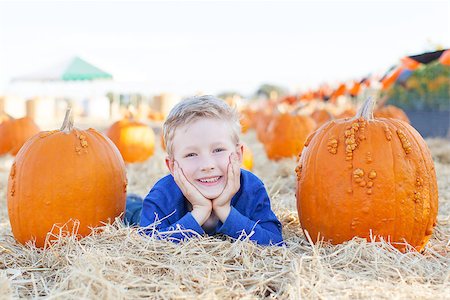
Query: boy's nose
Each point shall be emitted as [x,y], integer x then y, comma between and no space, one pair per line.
[207,168]
[207,164]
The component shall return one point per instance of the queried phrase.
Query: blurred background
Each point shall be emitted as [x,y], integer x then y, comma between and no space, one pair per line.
[103,57]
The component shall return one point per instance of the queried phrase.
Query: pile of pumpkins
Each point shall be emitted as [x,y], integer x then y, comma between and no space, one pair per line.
[283,129]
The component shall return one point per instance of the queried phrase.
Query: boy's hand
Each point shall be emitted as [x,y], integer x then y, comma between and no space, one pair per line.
[221,205]
[201,206]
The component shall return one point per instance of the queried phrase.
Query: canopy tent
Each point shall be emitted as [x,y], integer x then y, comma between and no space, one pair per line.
[47,91]
[427,57]
[74,69]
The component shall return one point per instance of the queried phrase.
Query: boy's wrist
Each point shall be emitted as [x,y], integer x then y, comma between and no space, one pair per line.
[222,212]
[201,215]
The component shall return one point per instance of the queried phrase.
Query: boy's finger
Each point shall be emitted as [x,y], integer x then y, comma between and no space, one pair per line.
[230,179]
[179,177]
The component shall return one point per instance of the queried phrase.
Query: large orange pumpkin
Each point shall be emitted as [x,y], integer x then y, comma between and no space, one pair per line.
[286,135]
[14,133]
[366,176]
[63,175]
[391,111]
[135,140]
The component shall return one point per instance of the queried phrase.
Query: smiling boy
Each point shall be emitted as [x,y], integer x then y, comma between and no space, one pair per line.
[206,191]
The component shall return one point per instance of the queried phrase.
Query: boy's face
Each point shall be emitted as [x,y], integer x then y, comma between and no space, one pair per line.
[202,150]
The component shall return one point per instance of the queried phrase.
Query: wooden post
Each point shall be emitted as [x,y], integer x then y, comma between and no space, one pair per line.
[30,108]
[2,105]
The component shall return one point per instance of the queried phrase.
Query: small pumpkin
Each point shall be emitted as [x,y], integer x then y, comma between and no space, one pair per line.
[135,140]
[263,118]
[14,133]
[367,177]
[321,116]
[245,120]
[247,158]
[348,113]
[63,175]
[391,111]
[286,135]
[156,116]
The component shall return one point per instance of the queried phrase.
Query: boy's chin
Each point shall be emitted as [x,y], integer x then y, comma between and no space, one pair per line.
[211,195]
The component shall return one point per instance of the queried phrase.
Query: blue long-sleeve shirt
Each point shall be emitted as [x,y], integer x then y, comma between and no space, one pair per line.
[250,213]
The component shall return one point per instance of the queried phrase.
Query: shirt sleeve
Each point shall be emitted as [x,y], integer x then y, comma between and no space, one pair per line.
[155,216]
[262,226]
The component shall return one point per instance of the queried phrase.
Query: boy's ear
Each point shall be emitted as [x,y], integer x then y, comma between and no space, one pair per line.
[169,164]
[240,151]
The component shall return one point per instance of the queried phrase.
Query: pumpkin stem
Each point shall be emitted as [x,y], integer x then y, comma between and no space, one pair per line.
[278,110]
[366,110]
[131,112]
[67,125]
[8,116]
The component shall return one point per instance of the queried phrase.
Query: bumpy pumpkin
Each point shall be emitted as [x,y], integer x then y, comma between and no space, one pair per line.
[14,133]
[135,140]
[366,176]
[247,158]
[391,111]
[63,175]
[286,135]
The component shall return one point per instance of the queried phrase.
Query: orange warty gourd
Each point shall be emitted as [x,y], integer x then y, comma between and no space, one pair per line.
[135,140]
[247,158]
[286,135]
[14,133]
[64,175]
[366,176]
[391,111]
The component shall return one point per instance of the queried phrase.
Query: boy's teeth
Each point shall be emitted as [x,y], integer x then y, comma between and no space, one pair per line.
[210,179]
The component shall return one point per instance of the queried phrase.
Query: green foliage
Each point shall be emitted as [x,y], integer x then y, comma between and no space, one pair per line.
[428,88]
[266,89]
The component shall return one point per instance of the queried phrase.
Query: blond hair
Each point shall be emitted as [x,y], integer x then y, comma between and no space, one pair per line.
[193,108]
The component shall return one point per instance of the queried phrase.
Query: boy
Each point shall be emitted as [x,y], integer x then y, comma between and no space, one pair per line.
[206,191]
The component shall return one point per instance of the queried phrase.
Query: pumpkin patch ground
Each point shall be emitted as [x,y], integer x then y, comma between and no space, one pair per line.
[117,262]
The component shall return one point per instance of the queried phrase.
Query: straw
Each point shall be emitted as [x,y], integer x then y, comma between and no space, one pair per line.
[116,262]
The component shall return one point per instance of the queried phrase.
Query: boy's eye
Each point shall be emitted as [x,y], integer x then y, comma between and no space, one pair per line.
[219,150]
[190,155]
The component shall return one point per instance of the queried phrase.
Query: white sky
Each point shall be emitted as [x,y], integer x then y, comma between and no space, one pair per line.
[184,47]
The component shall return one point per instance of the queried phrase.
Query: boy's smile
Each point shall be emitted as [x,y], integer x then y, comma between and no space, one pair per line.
[210,180]
[202,149]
